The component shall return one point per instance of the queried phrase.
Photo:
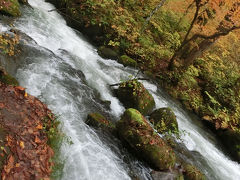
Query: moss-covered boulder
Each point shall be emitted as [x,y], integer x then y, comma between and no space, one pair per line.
[192,173]
[140,136]
[134,95]
[98,121]
[231,140]
[164,120]
[107,53]
[10,7]
[127,61]
[7,79]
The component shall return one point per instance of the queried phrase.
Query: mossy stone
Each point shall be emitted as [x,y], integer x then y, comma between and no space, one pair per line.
[134,95]
[127,61]
[164,120]
[192,173]
[97,120]
[7,79]
[11,8]
[137,132]
[107,53]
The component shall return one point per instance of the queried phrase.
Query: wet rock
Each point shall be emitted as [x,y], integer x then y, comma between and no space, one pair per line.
[98,121]
[25,2]
[231,140]
[161,175]
[134,129]
[107,53]
[164,120]
[127,61]
[192,173]
[10,8]
[134,95]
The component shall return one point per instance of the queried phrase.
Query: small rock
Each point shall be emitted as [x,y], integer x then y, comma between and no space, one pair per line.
[164,120]
[192,173]
[134,95]
[97,120]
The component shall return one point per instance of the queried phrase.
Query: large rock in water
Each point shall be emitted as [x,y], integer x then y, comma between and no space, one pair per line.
[127,61]
[134,95]
[10,7]
[137,132]
[107,53]
[164,120]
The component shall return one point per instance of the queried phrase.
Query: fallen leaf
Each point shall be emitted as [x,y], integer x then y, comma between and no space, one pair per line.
[9,165]
[21,144]
[37,140]
[20,88]
[39,126]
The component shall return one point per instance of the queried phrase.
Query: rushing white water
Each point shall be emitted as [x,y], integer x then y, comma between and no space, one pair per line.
[58,81]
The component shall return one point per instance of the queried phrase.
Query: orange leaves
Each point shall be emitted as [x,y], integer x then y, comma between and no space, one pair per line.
[39,126]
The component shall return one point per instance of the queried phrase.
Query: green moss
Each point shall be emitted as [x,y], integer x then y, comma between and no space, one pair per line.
[127,61]
[10,7]
[134,115]
[7,79]
[192,173]
[98,120]
[164,120]
[138,133]
[134,95]
[55,139]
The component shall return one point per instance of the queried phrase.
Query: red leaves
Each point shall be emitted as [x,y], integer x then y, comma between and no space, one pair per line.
[23,115]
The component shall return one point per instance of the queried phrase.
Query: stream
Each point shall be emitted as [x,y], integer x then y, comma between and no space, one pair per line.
[64,71]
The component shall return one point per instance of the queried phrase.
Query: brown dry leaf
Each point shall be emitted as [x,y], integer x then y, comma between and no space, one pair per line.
[10,164]
[21,144]
[39,126]
[2,105]
[20,88]
[37,140]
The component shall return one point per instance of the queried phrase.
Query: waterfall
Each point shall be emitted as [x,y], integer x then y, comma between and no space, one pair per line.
[68,75]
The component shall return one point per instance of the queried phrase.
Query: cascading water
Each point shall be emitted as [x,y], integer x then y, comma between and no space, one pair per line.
[66,74]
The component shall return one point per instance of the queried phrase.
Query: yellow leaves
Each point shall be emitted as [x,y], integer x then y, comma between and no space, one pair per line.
[25,94]
[21,144]
[8,44]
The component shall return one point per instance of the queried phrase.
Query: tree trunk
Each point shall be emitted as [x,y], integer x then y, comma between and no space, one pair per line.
[198,51]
